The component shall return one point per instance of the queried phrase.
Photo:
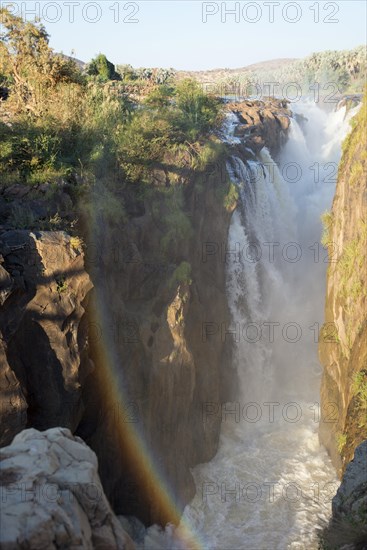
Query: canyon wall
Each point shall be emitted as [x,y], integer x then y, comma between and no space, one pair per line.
[150,306]
[343,341]
[44,342]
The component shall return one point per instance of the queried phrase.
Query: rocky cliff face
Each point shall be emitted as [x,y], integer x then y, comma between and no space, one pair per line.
[160,306]
[151,306]
[44,350]
[343,347]
[155,306]
[131,364]
[51,495]
[263,123]
[348,526]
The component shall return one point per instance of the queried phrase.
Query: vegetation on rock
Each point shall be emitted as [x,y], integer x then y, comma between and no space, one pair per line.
[90,134]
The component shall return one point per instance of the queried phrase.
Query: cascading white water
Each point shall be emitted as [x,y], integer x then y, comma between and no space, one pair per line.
[270,485]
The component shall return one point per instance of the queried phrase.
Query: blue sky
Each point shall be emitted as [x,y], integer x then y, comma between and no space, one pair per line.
[172,33]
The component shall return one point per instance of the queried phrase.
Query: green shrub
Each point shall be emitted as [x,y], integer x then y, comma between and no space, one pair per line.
[231,197]
[359,387]
[197,113]
[160,97]
[341,441]
[102,68]
[21,217]
[327,224]
[141,143]
[182,274]
[208,154]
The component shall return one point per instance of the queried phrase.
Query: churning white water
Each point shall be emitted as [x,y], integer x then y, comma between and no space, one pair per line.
[270,485]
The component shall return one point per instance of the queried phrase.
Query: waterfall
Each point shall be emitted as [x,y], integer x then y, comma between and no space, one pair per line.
[271,483]
[264,216]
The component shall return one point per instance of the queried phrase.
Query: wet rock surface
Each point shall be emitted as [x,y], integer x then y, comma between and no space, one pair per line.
[348,526]
[262,123]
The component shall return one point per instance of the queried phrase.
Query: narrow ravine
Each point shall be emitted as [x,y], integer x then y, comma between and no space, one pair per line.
[271,483]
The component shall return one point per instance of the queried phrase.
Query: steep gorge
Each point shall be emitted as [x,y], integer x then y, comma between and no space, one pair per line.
[119,342]
[127,343]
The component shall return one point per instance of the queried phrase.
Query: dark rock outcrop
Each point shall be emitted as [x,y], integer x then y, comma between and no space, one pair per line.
[42,206]
[348,526]
[43,345]
[4,93]
[263,123]
[51,496]
[151,321]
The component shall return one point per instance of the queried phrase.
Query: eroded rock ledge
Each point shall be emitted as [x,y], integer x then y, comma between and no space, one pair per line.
[262,123]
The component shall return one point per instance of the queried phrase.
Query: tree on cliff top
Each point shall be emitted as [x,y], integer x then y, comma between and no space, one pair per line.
[102,68]
[28,63]
[198,113]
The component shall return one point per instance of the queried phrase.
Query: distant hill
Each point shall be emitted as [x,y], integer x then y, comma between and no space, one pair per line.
[81,64]
[272,64]
[219,73]
[224,73]
[346,68]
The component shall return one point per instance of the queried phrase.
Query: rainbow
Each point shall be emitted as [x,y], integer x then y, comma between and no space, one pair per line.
[151,480]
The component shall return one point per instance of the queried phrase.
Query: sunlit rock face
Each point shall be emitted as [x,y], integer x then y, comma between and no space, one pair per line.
[343,341]
[262,123]
[52,497]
